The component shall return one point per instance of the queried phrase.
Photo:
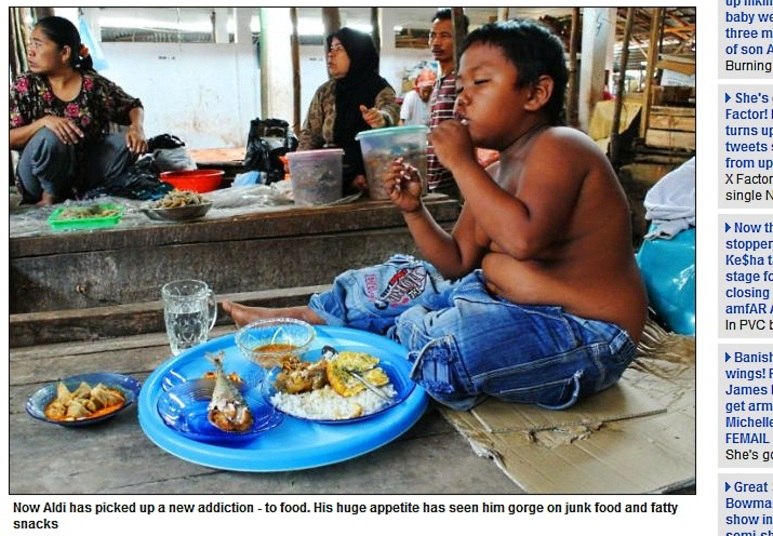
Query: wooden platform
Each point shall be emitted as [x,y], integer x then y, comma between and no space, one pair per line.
[101,323]
[245,253]
[229,159]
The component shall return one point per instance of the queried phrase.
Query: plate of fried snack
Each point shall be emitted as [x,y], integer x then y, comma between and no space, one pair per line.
[83,399]
[178,205]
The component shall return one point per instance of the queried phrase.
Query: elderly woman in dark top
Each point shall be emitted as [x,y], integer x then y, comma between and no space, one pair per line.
[355,98]
[60,113]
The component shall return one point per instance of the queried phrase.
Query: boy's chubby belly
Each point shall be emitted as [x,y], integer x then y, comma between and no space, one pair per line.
[581,291]
[525,282]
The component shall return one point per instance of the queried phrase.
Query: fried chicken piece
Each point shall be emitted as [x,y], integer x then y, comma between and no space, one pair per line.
[302,376]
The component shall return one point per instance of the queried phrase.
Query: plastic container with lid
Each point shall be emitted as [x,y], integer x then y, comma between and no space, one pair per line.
[381,146]
[316,176]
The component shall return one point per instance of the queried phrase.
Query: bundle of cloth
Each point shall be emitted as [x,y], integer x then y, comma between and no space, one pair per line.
[667,256]
[670,203]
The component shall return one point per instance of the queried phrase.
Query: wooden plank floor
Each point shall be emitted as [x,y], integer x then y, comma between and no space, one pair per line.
[115,457]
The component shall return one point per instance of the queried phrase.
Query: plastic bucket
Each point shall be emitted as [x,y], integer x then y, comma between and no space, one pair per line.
[380,147]
[197,180]
[316,176]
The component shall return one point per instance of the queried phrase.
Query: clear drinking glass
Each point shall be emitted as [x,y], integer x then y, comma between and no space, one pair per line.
[190,311]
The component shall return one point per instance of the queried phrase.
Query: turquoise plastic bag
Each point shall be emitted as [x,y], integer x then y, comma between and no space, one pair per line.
[95,50]
[668,269]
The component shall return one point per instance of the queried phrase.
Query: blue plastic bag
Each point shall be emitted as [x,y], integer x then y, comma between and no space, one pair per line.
[95,50]
[668,269]
[250,177]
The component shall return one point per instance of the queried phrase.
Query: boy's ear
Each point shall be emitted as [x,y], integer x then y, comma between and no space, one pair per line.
[540,93]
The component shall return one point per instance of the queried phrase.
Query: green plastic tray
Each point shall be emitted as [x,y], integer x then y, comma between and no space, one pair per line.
[61,219]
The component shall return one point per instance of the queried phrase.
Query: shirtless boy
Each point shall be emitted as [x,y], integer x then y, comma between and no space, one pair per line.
[535,295]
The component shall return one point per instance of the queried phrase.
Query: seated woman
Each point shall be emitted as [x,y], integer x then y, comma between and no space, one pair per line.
[60,113]
[355,98]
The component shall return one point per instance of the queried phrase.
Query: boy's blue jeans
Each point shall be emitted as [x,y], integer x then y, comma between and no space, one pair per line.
[466,344]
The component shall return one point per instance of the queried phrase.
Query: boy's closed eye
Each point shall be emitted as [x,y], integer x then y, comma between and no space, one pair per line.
[460,89]
[478,82]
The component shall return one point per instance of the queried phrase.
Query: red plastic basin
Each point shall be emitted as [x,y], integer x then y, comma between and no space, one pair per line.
[197,180]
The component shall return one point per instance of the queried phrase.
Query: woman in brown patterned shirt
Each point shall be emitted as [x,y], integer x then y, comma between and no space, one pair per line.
[355,99]
[60,113]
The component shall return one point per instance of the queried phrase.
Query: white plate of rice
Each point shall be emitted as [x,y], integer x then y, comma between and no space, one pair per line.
[326,406]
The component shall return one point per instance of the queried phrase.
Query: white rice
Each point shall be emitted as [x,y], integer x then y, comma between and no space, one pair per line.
[326,404]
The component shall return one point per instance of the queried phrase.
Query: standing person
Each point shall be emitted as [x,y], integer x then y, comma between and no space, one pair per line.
[60,113]
[535,295]
[441,104]
[415,108]
[355,98]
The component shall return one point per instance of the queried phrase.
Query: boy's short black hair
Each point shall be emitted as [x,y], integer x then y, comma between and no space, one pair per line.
[535,51]
[447,14]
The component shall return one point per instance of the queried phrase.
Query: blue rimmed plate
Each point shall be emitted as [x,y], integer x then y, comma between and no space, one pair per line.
[294,444]
[249,378]
[128,386]
[185,408]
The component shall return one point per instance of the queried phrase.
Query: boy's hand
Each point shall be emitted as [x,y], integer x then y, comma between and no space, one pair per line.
[403,183]
[452,143]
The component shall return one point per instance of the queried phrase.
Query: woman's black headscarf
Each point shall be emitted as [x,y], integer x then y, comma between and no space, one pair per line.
[360,86]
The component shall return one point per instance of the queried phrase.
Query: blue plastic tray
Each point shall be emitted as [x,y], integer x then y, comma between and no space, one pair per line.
[295,444]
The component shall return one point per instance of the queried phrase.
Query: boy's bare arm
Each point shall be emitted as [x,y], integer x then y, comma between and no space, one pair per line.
[454,255]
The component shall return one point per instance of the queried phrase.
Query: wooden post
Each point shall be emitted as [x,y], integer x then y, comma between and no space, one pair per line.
[652,59]
[376,25]
[459,33]
[41,12]
[573,91]
[219,19]
[331,20]
[20,33]
[614,142]
[263,47]
[503,13]
[275,78]
[296,59]
[596,30]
